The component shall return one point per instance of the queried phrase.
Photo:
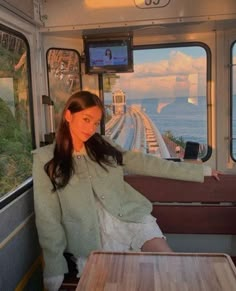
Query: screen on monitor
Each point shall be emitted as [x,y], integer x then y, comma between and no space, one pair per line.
[108,56]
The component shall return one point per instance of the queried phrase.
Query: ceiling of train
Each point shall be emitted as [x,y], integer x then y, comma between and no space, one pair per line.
[149,29]
[165,26]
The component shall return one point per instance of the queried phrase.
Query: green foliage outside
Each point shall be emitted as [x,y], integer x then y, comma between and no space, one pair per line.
[177,140]
[15,151]
[6,62]
[15,136]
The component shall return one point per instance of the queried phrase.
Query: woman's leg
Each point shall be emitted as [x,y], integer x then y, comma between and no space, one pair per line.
[156,244]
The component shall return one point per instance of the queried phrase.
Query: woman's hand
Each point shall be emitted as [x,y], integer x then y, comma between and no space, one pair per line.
[208,171]
[215,174]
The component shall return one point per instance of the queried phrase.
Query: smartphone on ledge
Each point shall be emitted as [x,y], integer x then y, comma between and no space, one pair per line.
[191,150]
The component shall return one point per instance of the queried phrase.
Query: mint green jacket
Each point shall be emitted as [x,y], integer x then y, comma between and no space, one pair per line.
[67,220]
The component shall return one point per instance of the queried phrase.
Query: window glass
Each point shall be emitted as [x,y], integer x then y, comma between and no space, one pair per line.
[233,130]
[162,104]
[15,115]
[63,76]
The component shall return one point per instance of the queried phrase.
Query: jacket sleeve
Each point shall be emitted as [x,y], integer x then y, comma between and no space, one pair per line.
[144,164]
[48,220]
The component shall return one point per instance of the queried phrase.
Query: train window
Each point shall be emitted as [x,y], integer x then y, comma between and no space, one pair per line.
[64,76]
[16,128]
[162,104]
[233,103]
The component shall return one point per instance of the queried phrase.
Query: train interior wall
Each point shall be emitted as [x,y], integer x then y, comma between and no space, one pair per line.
[20,253]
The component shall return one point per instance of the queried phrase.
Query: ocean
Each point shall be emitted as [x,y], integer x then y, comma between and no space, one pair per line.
[182,119]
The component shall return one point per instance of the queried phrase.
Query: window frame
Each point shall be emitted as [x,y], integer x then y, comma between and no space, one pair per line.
[208,79]
[231,101]
[27,184]
[52,127]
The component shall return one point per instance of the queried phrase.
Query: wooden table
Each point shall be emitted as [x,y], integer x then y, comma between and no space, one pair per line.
[116,271]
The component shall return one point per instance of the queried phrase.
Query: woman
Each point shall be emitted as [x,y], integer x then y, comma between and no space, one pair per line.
[108,57]
[82,202]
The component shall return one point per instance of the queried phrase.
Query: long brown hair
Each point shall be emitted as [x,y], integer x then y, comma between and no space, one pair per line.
[61,168]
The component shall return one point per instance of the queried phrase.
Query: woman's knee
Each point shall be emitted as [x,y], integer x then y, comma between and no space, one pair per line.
[156,244]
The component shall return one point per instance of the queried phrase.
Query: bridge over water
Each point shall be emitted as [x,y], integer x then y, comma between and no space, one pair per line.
[134,130]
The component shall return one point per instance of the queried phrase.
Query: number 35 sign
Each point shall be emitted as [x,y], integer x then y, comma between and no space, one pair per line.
[151,3]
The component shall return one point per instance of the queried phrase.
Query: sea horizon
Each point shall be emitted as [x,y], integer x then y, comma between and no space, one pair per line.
[183,119]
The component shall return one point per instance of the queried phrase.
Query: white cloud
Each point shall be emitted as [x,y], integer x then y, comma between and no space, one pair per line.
[166,78]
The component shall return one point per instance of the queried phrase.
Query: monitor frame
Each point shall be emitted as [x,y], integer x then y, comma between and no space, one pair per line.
[122,48]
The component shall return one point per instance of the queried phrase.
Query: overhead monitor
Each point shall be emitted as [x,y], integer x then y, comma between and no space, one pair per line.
[113,55]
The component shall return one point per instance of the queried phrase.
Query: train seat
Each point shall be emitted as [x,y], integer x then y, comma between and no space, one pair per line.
[202,208]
